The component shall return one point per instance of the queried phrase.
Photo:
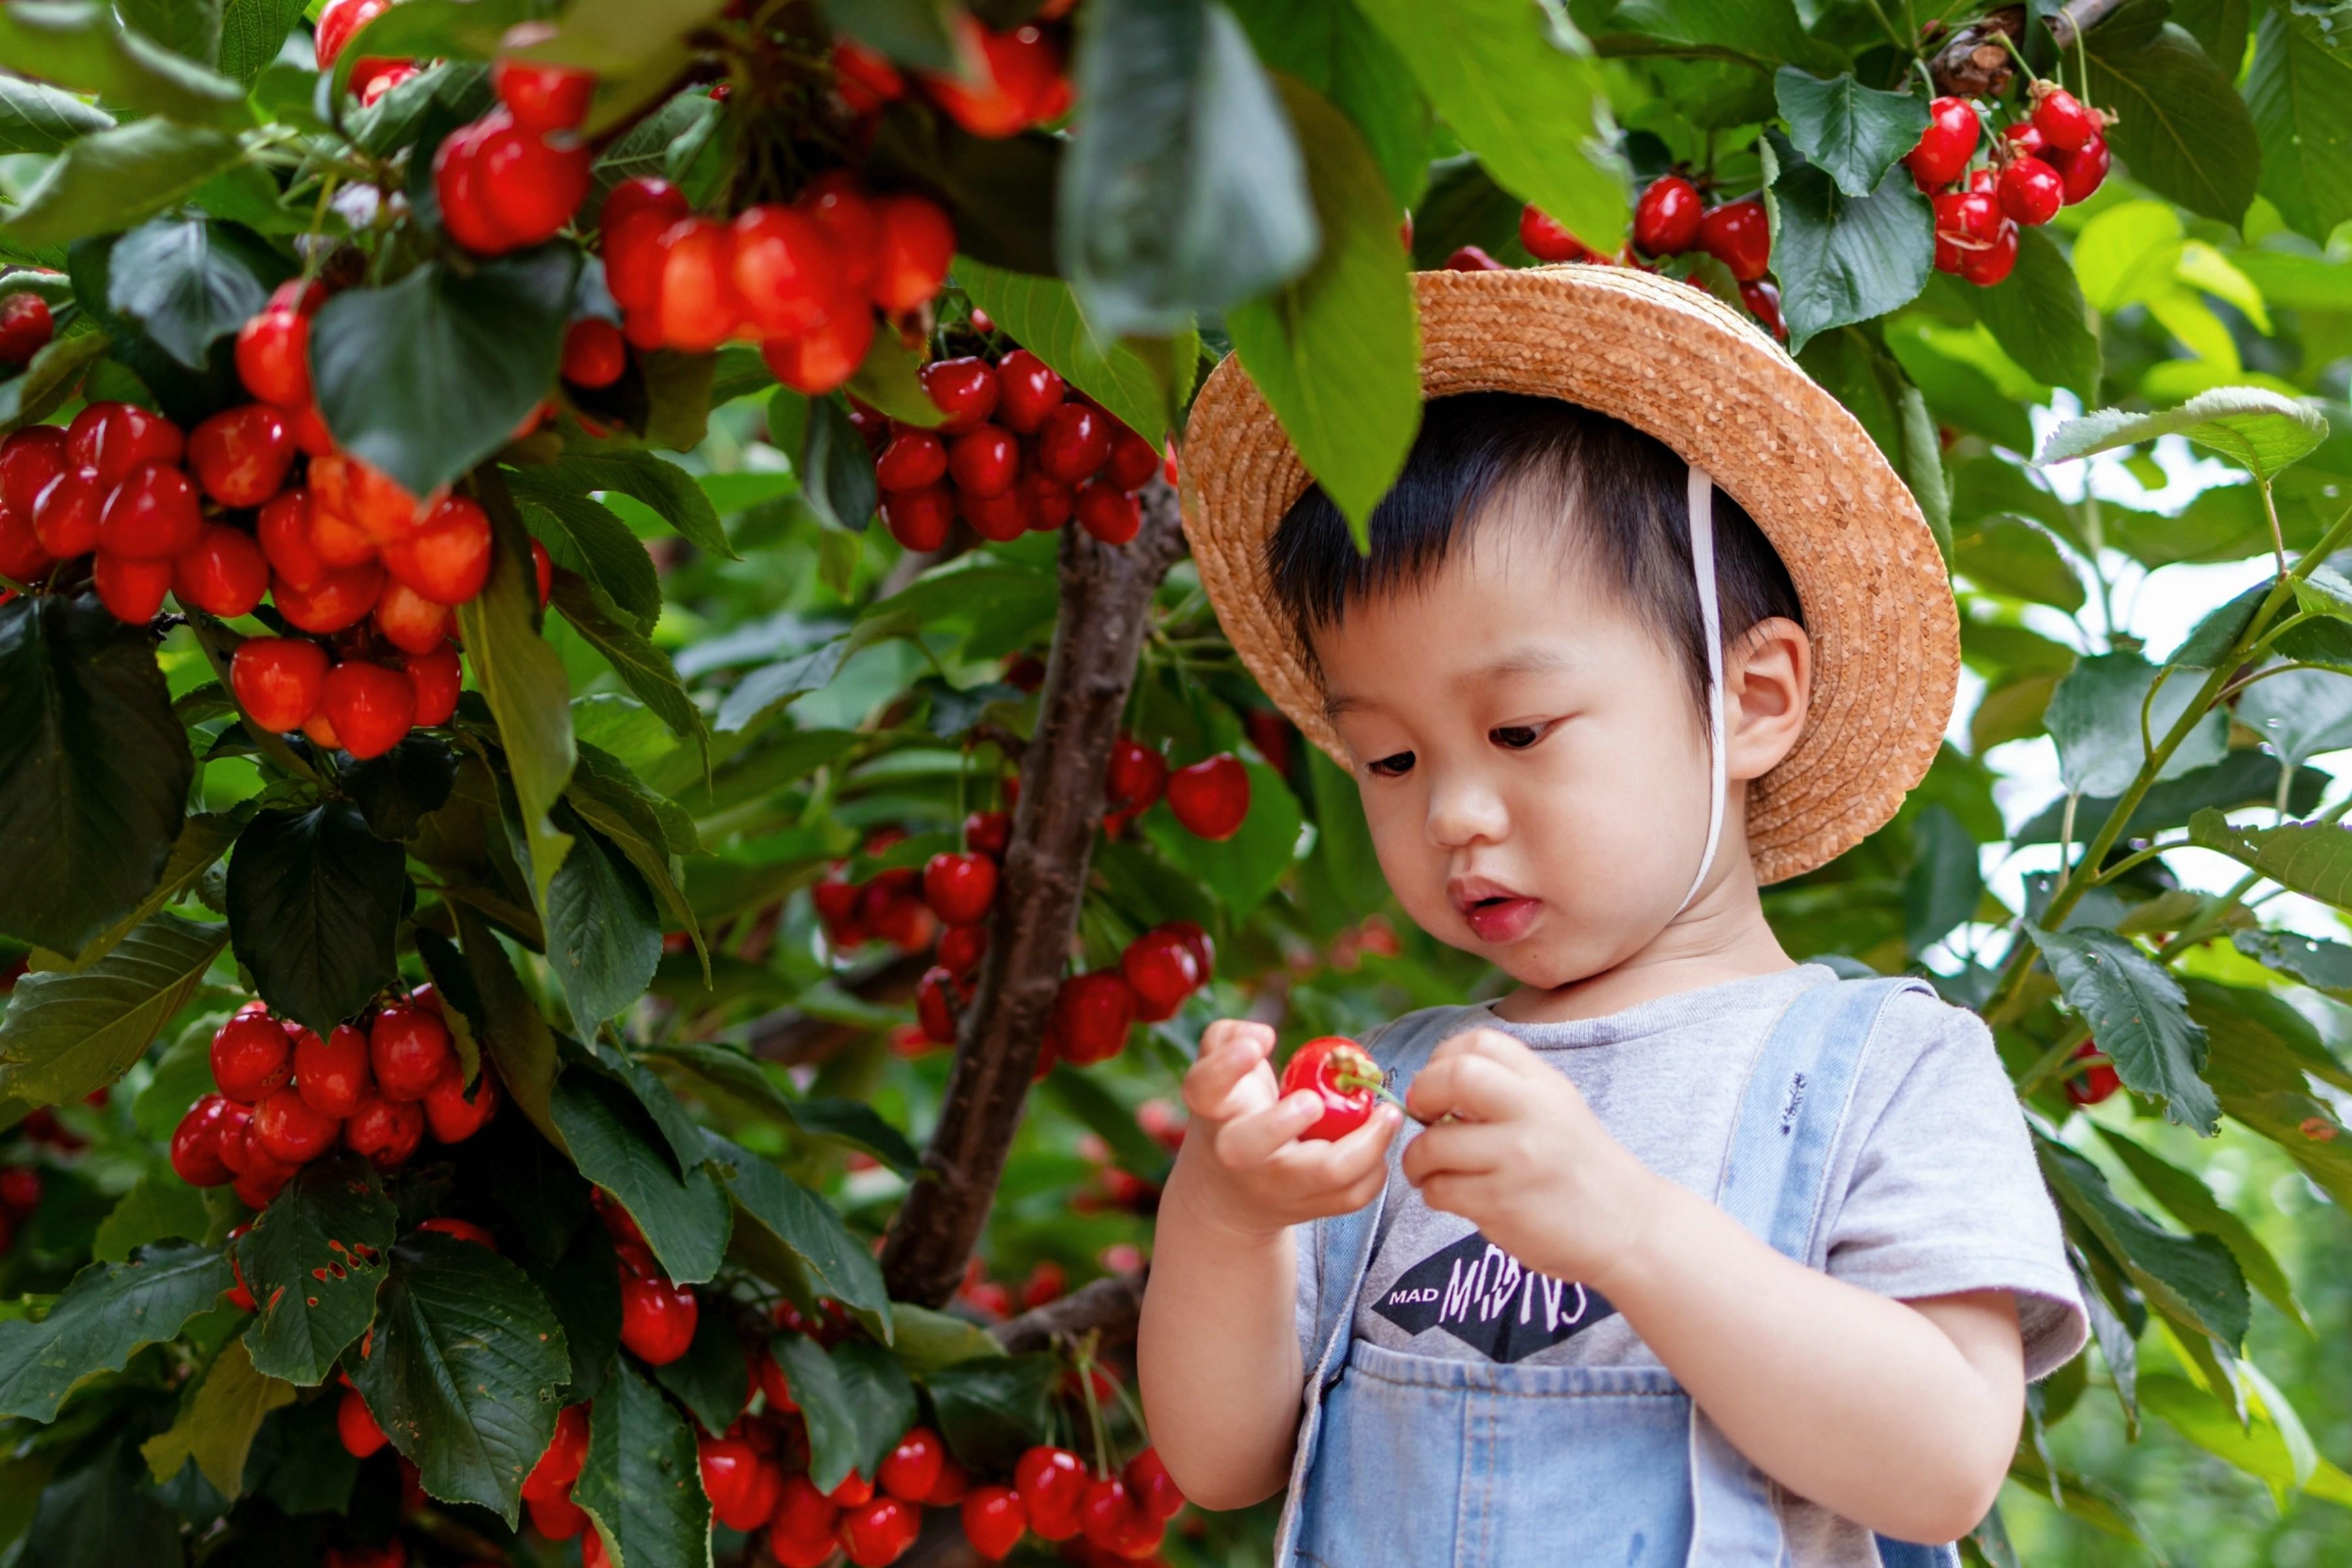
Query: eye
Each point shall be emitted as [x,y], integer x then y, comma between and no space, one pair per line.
[1391,767]
[1516,737]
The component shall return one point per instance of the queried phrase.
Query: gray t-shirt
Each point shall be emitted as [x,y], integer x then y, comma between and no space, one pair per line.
[1932,1189]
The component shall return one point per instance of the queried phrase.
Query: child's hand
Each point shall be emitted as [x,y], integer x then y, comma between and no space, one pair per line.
[1243,1164]
[1525,1160]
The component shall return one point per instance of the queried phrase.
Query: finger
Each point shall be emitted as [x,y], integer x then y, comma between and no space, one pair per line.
[1252,1139]
[1452,1148]
[1342,1162]
[1468,1084]
[1453,1193]
[1230,1051]
[1493,1044]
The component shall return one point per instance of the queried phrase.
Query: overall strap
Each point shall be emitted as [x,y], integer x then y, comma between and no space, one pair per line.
[1775,1166]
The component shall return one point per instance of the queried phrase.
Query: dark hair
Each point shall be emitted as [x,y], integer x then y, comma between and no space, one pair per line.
[1626,491]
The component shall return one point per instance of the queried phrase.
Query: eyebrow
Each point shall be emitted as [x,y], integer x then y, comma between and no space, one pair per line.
[1532,659]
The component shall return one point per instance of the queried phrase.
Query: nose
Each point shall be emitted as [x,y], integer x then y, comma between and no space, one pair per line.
[1463,809]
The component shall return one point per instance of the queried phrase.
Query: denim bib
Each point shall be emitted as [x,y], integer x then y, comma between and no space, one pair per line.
[1422,1461]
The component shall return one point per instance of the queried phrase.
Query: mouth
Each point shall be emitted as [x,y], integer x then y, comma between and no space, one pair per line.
[1496,913]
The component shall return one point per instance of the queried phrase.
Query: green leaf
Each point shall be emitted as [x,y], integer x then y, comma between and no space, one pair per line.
[78,45]
[1523,93]
[1042,315]
[853,1121]
[667,489]
[506,1020]
[911,32]
[603,934]
[652,832]
[836,469]
[57,370]
[158,1208]
[430,376]
[2006,554]
[2038,316]
[2188,1199]
[889,380]
[94,769]
[111,179]
[1946,882]
[465,29]
[2137,1016]
[397,789]
[588,538]
[618,1145]
[1337,352]
[2300,713]
[189,28]
[710,1378]
[313,1262]
[2325,965]
[1842,259]
[2191,1278]
[831,1261]
[1853,134]
[314,902]
[463,1369]
[1333,48]
[2260,430]
[991,1408]
[2311,859]
[856,1401]
[2184,131]
[774,685]
[2095,716]
[2244,777]
[68,1032]
[38,119]
[584,1285]
[203,838]
[252,32]
[641,1482]
[1184,191]
[1000,190]
[216,1427]
[1243,869]
[110,1311]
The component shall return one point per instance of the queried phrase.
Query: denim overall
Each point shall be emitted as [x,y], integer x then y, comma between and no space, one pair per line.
[1407,1461]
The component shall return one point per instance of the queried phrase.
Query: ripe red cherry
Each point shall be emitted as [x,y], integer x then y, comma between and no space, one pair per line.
[1738,235]
[698,308]
[847,217]
[594,352]
[356,1426]
[994,1521]
[1108,512]
[914,245]
[1020,84]
[959,888]
[730,1473]
[1946,146]
[241,455]
[341,599]
[370,705]
[1211,797]
[152,515]
[450,1114]
[865,80]
[385,1133]
[251,1058]
[1046,503]
[787,272]
[1666,219]
[879,1531]
[914,459]
[1111,1519]
[1027,390]
[338,20]
[2031,191]
[567,1451]
[1337,1070]
[1092,1014]
[1162,971]
[448,557]
[116,438]
[657,1318]
[1988,266]
[64,518]
[1002,517]
[800,1530]
[919,520]
[1072,443]
[961,948]
[333,1073]
[540,97]
[1545,240]
[25,327]
[1148,1483]
[195,1144]
[30,459]
[913,1467]
[464,1230]
[2062,118]
[634,217]
[558,1517]
[438,679]
[984,461]
[824,356]
[133,589]
[288,1129]
[1968,218]
[935,1004]
[283,527]
[278,680]
[2082,169]
[225,574]
[273,357]
[1132,462]
[409,621]
[989,832]
[531,184]
[2093,1084]
[1763,302]
[1135,776]
[1053,1485]
[965,390]
[408,1049]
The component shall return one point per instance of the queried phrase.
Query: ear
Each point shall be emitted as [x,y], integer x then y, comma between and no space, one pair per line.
[1767,683]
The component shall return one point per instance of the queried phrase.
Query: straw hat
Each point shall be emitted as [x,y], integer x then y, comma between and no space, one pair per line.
[1699,375]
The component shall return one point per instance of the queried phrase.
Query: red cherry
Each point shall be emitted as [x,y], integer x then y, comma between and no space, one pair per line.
[959,888]
[386,1133]
[913,1469]
[840,208]
[409,1049]
[437,678]
[1002,517]
[699,309]
[657,1318]
[989,832]
[635,215]
[283,527]
[1472,258]
[1135,776]
[2021,139]
[288,1129]
[1019,84]
[1988,266]
[919,520]
[1968,218]
[567,1451]
[2031,191]
[731,1470]
[1762,298]
[1338,1072]
[368,499]
[540,97]
[1946,146]
[65,517]
[558,1517]
[30,459]
[1666,219]
[448,557]
[994,1521]
[1112,1519]
[1048,502]
[1148,1483]
[1092,1014]
[879,1531]
[984,461]
[360,1434]
[241,455]
[595,353]
[961,948]
[411,622]
[1132,462]
[1053,1485]
[25,327]
[787,272]
[2062,118]
[1110,514]
[133,589]
[1211,797]
[1072,443]
[1158,966]
[1027,390]
[251,1058]
[341,599]
[1545,240]
[333,1073]
[542,571]
[370,705]
[824,356]
[152,515]
[338,20]
[225,574]
[801,1530]
[273,357]
[452,1116]
[2083,170]
[865,80]
[914,459]
[116,438]
[935,1005]
[1738,235]
[195,1144]
[531,184]
[914,247]
[263,1175]
[278,680]
[464,1230]
[965,390]
[2093,1084]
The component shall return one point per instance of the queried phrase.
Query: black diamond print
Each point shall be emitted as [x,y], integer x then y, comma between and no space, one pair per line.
[1483,1297]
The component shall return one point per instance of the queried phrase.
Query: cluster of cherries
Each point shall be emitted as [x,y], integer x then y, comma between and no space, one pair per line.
[889,906]
[1015,453]
[804,279]
[1094,1012]
[285,1095]
[1209,799]
[515,176]
[2055,157]
[995,1299]
[1014,79]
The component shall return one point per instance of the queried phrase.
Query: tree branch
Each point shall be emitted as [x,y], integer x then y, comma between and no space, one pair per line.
[1110,1304]
[2077,17]
[1106,605]
[792,1037]
[1974,62]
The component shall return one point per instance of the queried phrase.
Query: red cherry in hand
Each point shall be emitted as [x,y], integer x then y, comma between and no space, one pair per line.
[1668,216]
[1336,1070]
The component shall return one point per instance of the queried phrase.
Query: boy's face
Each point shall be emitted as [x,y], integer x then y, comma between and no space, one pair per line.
[1533,766]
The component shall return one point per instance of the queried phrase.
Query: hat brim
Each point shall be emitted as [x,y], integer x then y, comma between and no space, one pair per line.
[1683,366]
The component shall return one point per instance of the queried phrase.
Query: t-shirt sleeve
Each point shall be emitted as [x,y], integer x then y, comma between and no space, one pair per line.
[1945,1196]
[1309,1292]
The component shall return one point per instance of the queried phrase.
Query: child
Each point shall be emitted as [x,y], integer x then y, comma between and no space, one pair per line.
[1693,1255]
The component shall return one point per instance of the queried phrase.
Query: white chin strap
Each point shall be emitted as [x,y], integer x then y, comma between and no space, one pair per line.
[1702,541]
